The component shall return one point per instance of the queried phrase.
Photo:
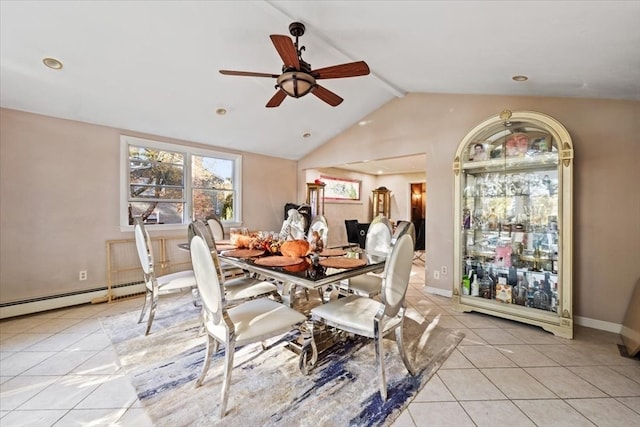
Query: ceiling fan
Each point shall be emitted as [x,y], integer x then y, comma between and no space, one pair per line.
[297,78]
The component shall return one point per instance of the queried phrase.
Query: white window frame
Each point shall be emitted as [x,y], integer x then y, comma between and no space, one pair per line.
[126,140]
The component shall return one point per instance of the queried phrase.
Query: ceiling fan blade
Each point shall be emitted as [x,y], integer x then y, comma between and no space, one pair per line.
[351,69]
[247,74]
[277,99]
[286,50]
[327,96]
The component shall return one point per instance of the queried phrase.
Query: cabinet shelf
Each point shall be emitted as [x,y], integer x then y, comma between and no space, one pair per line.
[513,181]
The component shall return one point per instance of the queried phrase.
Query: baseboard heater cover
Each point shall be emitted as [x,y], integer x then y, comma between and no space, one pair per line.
[36,305]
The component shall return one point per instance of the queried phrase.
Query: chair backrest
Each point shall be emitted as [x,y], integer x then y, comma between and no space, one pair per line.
[378,242]
[320,225]
[397,271]
[215,225]
[201,229]
[404,227]
[143,246]
[351,225]
[207,279]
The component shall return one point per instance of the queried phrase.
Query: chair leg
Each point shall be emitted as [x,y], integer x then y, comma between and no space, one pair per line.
[211,345]
[144,305]
[152,309]
[403,353]
[228,367]
[380,362]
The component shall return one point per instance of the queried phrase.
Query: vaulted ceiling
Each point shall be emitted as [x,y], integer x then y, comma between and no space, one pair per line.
[152,66]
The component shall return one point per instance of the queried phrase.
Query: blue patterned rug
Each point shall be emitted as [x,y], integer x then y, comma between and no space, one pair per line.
[267,388]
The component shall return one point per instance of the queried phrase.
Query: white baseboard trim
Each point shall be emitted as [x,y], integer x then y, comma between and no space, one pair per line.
[438,291]
[598,324]
[68,300]
[578,320]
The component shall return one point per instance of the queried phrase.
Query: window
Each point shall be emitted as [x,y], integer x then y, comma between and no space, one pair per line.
[170,185]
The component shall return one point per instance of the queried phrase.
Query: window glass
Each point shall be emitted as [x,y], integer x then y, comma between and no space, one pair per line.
[172,185]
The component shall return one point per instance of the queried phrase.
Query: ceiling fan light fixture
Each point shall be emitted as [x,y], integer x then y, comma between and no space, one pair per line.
[296,83]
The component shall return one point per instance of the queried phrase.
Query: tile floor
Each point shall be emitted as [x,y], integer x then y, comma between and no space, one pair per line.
[58,369]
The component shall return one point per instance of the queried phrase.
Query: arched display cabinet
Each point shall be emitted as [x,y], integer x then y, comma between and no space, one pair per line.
[381,202]
[513,177]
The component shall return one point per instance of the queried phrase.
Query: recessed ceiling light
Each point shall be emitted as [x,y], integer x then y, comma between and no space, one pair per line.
[520,78]
[221,111]
[306,134]
[52,63]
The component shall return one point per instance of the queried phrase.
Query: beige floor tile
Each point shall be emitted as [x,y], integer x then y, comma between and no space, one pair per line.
[104,362]
[21,362]
[19,325]
[114,392]
[403,420]
[535,335]
[138,417]
[470,337]
[632,403]
[64,393]
[564,383]
[87,326]
[91,417]
[567,355]
[552,413]
[608,380]
[95,341]
[450,322]
[606,412]
[45,417]
[515,383]
[434,391]
[527,355]
[477,321]
[485,356]
[469,384]
[21,341]
[632,372]
[497,336]
[18,390]
[60,363]
[456,360]
[495,413]
[439,414]
[56,342]
[53,325]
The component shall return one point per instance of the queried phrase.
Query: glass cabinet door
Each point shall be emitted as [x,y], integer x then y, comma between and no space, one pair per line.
[513,238]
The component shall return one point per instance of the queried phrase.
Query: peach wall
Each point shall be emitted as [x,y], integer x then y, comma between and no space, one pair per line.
[59,201]
[606,139]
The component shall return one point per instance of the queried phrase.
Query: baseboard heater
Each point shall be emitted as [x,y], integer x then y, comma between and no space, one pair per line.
[91,296]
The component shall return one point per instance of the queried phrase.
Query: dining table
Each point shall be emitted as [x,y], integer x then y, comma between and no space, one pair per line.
[313,272]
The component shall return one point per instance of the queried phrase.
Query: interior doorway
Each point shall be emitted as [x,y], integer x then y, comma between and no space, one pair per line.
[418,192]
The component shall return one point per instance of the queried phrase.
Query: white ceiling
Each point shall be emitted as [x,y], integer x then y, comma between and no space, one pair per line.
[152,66]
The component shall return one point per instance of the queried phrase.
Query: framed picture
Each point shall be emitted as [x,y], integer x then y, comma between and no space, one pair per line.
[341,188]
[478,151]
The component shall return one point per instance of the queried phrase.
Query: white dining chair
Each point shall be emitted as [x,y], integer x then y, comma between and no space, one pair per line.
[249,322]
[215,225]
[236,289]
[374,319]
[157,285]
[377,247]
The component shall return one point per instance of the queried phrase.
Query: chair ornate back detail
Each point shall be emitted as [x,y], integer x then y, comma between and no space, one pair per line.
[249,322]
[237,289]
[155,285]
[215,225]
[375,319]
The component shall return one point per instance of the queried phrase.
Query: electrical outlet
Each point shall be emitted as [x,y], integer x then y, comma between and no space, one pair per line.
[443,269]
[82,275]
[436,275]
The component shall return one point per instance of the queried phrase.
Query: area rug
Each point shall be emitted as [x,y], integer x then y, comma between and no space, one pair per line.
[267,387]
